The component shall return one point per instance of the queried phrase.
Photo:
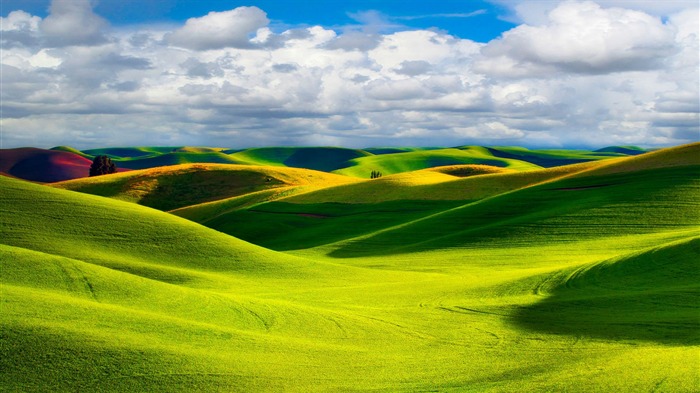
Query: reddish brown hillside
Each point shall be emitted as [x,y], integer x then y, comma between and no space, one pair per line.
[41,165]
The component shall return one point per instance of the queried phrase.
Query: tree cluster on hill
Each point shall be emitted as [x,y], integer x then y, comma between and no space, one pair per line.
[375,175]
[102,165]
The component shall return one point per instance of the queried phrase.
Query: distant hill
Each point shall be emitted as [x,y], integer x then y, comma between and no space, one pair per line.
[41,165]
[392,163]
[325,159]
[628,150]
[387,209]
[64,162]
[548,158]
[176,186]
[73,150]
[132,152]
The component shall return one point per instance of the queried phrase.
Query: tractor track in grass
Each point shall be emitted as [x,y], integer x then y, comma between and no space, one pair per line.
[345,334]
[405,330]
[267,325]
[469,311]
[89,286]
[499,339]
[658,384]
[76,274]
[100,381]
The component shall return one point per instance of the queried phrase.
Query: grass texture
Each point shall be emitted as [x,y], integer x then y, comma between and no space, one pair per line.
[575,278]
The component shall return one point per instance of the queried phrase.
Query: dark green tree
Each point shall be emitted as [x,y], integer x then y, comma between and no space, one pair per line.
[102,165]
[375,175]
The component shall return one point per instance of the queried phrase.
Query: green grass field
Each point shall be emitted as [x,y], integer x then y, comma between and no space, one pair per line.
[575,278]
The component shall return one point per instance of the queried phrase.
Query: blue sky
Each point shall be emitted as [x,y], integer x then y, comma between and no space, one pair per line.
[474,19]
[574,73]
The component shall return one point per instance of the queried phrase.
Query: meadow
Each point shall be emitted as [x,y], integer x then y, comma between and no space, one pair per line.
[478,269]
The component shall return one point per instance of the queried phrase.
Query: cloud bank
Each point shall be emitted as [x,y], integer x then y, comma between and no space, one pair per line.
[570,74]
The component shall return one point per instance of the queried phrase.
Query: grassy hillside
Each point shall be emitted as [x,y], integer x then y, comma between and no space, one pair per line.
[564,204]
[628,150]
[176,186]
[420,159]
[324,159]
[469,170]
[392,150]
[92,228]
[177,158]
[548,158]
[131,152]
[579,278]
[642,288]
[632,196]
[69,149]
[433,184]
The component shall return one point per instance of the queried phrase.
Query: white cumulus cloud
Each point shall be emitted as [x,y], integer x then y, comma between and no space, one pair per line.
[584,38]
[72,22]
[216,30]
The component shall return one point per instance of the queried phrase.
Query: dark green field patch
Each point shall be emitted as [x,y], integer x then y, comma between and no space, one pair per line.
[552,158]
[652,296]
[286,226]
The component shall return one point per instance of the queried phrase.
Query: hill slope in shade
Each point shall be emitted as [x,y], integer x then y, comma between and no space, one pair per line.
[628,150]
[324,159]
[177,186]
[548,158]
[44,166]
[604,299]
[177,158]
[132,152]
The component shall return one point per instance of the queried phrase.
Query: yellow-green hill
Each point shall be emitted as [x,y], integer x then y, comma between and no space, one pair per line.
[389,164]
[172,187]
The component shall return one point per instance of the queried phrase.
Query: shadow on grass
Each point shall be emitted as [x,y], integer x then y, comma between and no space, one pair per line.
[652,296]
[662,317]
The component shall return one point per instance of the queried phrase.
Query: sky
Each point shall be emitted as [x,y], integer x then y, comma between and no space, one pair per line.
[363,73]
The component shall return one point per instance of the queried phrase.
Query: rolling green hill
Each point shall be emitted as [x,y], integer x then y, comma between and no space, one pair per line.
[324,159]
[559,205]
[575,278]
[69,149]
[105,231]
[177,186]
[570,208]
[420,159]
[131,152]
[548,158]
[628,150]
